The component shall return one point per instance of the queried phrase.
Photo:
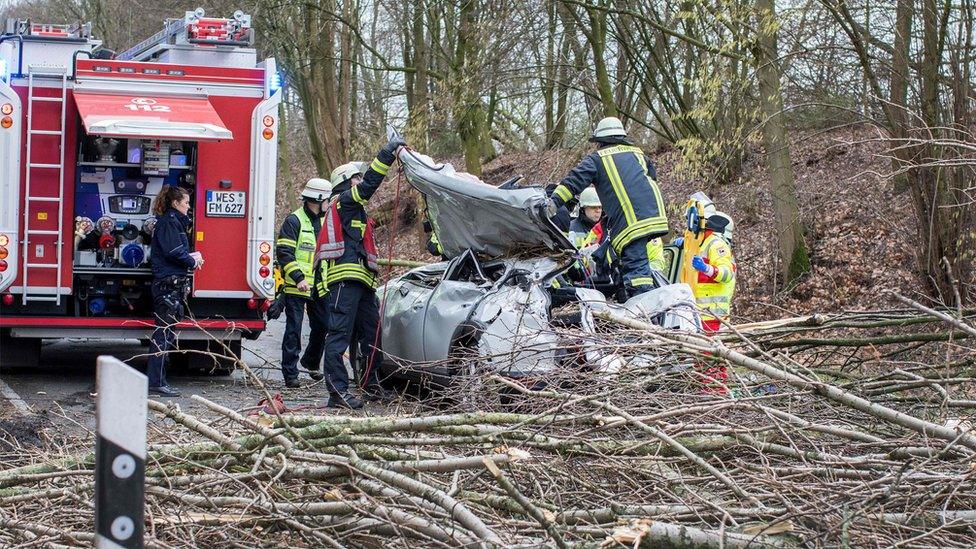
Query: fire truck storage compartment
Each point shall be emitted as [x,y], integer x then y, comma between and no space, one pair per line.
[117,180]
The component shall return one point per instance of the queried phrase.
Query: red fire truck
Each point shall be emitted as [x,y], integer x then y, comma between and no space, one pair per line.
[87,139]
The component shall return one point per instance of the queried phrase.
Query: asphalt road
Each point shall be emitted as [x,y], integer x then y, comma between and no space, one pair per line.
[65,382]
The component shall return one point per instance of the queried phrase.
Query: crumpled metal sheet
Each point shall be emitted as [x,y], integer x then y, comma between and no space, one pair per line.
[468,213]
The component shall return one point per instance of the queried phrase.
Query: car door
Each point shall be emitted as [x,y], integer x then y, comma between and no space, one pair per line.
[405,307]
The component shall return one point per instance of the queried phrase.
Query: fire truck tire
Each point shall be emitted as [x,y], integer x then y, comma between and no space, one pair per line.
[17,352]
[206,357]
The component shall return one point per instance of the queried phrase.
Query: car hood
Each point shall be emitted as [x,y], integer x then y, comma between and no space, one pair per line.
[468,213]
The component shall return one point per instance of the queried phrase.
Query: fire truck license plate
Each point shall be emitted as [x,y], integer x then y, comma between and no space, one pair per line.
[226,203]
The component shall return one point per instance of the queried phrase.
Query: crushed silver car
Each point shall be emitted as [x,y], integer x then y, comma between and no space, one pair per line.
[495,296]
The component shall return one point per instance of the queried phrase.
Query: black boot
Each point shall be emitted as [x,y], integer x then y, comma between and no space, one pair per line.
[345,400]
[164,391]
[314,373]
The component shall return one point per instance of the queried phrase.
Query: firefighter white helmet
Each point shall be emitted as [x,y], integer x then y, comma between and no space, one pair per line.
[346,172]
[317,189]
[589,199]
[610,126]
[721,223]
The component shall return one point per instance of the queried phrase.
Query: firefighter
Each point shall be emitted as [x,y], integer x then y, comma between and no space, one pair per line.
[655,255]
[295,251]
[348,245]
[585,229]
[716,271]
[171,265]
[714,288]
[625,181]
[434,247]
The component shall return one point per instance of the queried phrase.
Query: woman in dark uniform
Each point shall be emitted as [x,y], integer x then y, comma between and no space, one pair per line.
[171,264]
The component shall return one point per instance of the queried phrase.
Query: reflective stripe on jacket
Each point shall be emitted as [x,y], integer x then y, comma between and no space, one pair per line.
[624,181]
[358,258]
[714,295]
[295,248]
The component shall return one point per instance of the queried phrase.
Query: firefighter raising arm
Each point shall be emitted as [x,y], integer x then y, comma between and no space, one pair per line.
[360,193]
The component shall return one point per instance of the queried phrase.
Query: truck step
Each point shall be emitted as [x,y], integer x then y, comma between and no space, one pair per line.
[43,199]
[48,166]
[42,265]
[40,298]
[42,232]
[48,99]
[46,132]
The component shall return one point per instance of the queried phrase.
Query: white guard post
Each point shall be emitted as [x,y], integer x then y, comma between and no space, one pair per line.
[120,455]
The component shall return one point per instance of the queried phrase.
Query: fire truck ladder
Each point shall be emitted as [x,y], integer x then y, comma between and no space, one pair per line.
[44,294]
[140,51]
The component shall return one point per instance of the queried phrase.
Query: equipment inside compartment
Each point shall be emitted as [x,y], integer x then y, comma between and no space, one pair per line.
[117,181]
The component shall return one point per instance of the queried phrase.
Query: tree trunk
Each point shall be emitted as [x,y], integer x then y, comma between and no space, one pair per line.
[598,45]
[418,125]
[938,220]
[898,98]
[284,160]
[469,114]
[793,260]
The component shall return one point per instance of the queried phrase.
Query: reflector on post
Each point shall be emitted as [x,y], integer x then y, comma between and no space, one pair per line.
[120,455]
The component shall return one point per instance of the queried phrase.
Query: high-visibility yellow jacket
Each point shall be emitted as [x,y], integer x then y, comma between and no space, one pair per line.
[714,294]
[655,255]
[295,248]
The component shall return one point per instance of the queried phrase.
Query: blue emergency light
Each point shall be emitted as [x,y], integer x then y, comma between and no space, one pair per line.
[275,82]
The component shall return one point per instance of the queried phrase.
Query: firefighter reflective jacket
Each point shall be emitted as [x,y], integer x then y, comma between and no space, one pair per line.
[295,248]
[714,294]
[332,245]
[434,246]
[583,232]
[357,260]
[655,255]
[625,182]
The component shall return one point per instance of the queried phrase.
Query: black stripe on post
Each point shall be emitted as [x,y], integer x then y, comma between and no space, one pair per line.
[120,455]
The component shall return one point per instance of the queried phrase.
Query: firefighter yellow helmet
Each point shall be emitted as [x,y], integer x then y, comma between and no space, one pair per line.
[317,189]
[589,199]
[609,127]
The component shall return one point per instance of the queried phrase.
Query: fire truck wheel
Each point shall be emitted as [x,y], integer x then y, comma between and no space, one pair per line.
[18,352]
[205,357]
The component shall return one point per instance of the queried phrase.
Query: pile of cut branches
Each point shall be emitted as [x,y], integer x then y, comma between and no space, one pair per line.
[848,430]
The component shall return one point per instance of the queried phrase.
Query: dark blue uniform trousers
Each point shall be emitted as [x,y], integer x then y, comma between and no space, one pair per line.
[168,294]
[352,307]
[635,267]
[291,343]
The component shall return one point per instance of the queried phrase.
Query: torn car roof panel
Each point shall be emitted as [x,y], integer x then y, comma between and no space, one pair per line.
[467,213]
